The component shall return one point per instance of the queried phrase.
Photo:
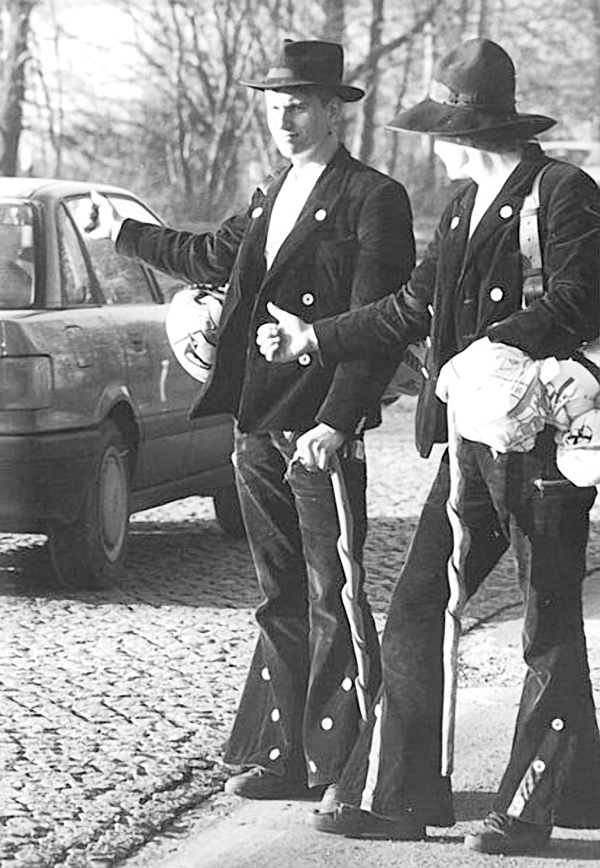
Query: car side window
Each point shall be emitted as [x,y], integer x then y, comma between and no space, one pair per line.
[17,255]
[167,285]
[122,281]
[76,281]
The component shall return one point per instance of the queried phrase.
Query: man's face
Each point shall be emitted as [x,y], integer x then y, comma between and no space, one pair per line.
[300,124]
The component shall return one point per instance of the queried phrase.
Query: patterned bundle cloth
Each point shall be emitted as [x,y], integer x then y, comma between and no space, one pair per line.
[503,398]
[574,396]
[497,396]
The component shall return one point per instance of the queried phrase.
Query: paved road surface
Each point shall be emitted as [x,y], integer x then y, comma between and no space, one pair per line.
[115,701]
[233,833]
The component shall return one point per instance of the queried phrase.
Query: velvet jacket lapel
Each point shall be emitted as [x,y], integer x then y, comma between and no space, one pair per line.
[465,257]
[314,214]
[506,207]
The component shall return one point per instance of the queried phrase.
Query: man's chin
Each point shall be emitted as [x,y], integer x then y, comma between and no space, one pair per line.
[287,149]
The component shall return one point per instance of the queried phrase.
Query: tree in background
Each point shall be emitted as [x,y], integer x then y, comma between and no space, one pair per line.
[15,16]
[158,107]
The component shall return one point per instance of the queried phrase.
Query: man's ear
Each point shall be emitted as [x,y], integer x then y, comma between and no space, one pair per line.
[336,107]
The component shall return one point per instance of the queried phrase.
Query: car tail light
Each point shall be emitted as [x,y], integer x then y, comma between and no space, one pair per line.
[25,382]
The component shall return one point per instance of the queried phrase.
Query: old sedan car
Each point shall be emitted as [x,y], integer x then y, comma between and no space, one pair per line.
[93,405]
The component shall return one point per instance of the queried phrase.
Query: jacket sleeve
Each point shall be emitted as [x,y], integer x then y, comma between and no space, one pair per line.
[199,258]
[569,311]
[387,326]
[384,257]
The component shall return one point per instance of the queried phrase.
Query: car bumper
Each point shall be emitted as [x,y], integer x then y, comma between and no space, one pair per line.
[42,478]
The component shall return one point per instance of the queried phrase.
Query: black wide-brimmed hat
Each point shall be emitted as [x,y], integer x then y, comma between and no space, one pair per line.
[309,63]
[473,97]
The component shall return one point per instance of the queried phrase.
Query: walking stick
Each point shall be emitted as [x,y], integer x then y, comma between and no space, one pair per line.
[350,591]
[457,598]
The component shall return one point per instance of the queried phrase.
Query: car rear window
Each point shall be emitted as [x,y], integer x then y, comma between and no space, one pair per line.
[16,255]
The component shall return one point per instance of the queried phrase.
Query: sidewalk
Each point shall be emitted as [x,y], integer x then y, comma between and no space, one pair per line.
[233,833]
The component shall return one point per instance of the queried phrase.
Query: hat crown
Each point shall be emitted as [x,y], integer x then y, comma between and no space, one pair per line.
[319,62]
[306,63]
[478,73]
[472,101]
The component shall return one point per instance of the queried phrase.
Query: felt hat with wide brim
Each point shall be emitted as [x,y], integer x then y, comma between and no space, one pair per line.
[473,98]
[309,63]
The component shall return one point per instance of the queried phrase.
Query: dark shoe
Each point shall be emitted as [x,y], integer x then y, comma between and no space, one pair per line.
[258,783]
[503,835]
[354,823]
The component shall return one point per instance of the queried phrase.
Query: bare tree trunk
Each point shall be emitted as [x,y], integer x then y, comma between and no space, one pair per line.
[182,132]
[371,83]
[483,28]
[428,74]
[392,164]
[595,4]
[52,101]
[14,35]
[463,15]
[335,20]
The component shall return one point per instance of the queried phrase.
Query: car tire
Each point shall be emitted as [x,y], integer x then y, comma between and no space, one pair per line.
[229,512]
[94,546]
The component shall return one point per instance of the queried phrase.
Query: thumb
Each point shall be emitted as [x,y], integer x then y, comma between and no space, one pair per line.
[97,198]
[102,202]
[282,316]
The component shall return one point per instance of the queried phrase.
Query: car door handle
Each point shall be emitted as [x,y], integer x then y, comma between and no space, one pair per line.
[80,347]
[136,341]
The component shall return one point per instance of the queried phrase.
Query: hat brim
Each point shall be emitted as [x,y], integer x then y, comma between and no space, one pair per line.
[450,121]
[346,92]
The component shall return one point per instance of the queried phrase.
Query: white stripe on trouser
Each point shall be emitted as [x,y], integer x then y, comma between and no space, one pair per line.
[350,591]
[366,802]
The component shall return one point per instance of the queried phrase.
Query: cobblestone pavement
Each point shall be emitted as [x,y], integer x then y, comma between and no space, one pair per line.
[115,701]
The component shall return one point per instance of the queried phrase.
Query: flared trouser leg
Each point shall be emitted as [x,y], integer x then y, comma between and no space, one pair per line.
[299,709]
[395,767]
[553,773]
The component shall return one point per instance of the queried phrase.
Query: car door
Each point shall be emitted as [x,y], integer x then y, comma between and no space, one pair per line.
[162,393]
[79,336]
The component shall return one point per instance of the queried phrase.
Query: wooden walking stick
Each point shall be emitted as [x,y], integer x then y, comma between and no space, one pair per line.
[457,598]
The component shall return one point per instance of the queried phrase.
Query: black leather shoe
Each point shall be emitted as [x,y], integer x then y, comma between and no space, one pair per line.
[258,783]
[354,823]
[503,835]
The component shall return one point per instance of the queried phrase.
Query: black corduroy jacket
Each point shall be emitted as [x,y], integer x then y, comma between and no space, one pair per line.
[352,244]
[465,288]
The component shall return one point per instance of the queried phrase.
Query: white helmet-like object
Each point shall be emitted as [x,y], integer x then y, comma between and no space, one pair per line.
[191,324]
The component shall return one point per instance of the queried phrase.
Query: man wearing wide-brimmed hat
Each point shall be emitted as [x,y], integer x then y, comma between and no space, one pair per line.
[326,234]
[473,290]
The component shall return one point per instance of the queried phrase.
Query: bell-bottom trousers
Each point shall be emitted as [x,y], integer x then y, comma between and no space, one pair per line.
[553,772]
[299,713]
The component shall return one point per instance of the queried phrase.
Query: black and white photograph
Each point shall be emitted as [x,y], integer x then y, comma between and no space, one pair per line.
[299,433]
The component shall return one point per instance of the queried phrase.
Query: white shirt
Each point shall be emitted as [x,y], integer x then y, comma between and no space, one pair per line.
[290,201]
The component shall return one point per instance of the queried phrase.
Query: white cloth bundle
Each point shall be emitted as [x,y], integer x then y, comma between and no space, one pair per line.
[578,451]
[503,398]
[496,394]
[571,390]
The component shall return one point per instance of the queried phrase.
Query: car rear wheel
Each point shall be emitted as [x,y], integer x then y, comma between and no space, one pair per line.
[94,545]
[228,511]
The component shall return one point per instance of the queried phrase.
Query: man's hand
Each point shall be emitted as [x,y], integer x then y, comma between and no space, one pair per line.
[104,219]
[287,339]
[316,447]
